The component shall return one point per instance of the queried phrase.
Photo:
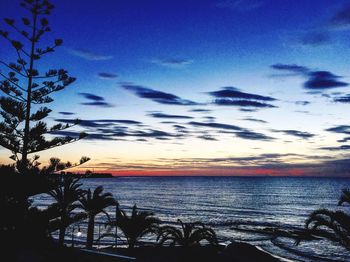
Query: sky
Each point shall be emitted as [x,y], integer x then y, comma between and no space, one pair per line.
[199,87]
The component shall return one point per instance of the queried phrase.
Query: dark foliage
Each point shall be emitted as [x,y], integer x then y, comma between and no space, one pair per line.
[26,89]
[94,203]
[135,226]
[332,225]
[189,234]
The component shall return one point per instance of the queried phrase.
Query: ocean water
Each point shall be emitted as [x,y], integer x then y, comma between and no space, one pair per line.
[225,202]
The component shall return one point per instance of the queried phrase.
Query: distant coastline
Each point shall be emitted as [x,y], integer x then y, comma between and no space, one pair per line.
[87,174]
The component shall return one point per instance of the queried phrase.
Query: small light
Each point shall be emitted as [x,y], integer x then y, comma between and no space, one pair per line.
[79,232]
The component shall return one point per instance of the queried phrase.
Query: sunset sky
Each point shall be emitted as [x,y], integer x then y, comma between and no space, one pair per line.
[199,87]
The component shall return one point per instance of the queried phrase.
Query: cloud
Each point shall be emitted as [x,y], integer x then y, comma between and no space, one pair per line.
[91,96]
[207,137]
[66,113]
[315,38]
[179,126]
[120,129]
[255,120]
[91,136]
[242,103]
[341,19]
[157,96]
[235,130]
[107,76]
[232,92]
[95,100]
[344,140]
[172,62]
[316,80]
[161,115]
[336,148]
[89,55]
[97,103]
[99,122]
[302,103]
[200,110]
[341,129]
[231,96]
[296,133]
[248,110]
[250,135]
[209,118]
[291,68]
[342,99]
[216,125]
[240,5]
[323,80]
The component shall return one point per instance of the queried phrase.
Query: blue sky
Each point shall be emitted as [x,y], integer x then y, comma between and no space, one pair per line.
[271,76]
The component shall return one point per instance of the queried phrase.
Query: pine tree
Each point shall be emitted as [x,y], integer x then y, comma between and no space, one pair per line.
[26,90]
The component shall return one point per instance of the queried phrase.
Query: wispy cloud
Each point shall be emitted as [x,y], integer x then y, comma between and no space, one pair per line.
[336,148]
[231,96]
[158,96]
[200,110]
[94,100]
[323,80]
[250,135]
[341,19]
[315,38]
[341,129]
[119,129]
[342,99]
[216,125]
[254,120]
[172,62]
[162,115]
[90,55]
[66,113]
[315,80]
[107,76]
[302,103]
[240,132]
[296,133]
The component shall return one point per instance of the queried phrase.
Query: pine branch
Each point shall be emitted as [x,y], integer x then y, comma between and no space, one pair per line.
[12,82]
[11,23]
[56,142]
[60,127]
[12,68]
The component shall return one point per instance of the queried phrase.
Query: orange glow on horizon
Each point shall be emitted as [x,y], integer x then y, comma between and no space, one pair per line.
[209,172]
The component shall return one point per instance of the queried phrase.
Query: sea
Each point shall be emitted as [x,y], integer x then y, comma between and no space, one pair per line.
[233,206]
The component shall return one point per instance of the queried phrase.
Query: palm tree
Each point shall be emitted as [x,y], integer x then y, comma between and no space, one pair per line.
[333,225]
[135,226]
[66,195]
[94,204]
[190,234]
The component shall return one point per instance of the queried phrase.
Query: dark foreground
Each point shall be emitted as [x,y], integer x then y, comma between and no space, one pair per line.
[238,252]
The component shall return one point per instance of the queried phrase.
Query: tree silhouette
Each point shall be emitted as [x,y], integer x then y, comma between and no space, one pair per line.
[66,196]
[135,226]
[94,204]
[26,90]
[189,234]
[332,225]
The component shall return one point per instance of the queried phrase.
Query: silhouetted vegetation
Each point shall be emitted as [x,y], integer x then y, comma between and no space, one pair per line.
[94,204]
[135,226]
[188,235]
[24,86]
[66,197]
[332,225]
[26,89]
